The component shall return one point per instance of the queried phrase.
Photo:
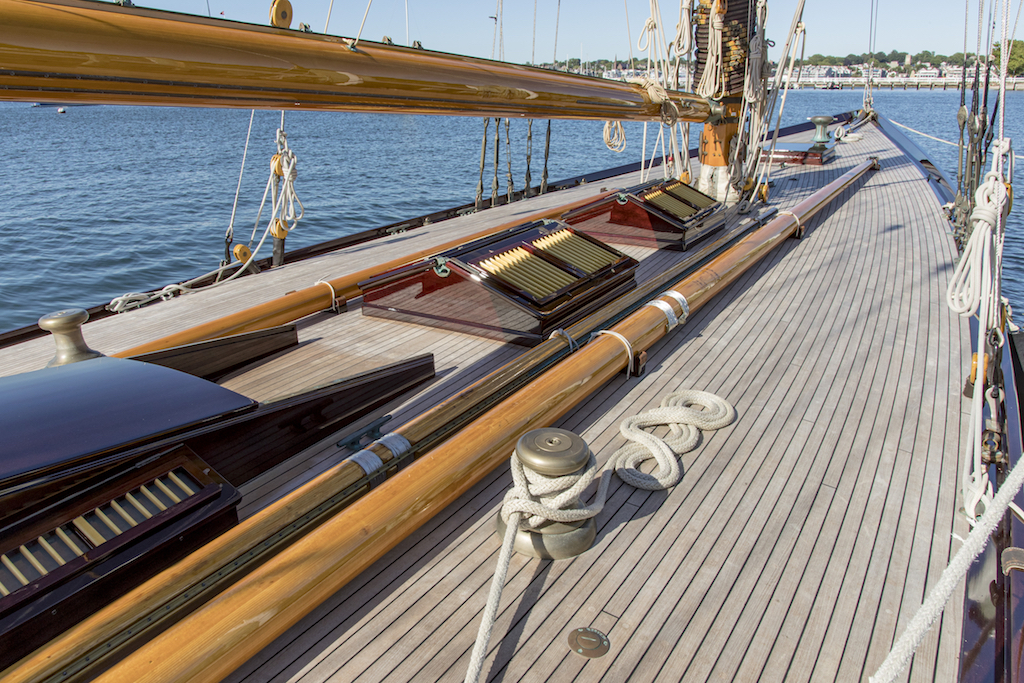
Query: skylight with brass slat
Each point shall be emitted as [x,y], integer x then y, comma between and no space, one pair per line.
[667,202]
[39,557]
[683,191]
[528,272]
[576,251]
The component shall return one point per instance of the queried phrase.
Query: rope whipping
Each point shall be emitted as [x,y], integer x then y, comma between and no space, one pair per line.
[535,499]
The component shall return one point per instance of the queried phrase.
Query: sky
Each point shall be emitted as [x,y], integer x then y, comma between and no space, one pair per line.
[597,29]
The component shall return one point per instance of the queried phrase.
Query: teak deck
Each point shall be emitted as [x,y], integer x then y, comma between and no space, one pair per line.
[801,539]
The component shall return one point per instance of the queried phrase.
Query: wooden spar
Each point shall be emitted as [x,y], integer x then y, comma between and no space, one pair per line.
[75,51]
[223,634]
[295,305]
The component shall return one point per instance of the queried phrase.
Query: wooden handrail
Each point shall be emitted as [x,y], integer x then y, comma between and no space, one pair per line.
[237,624]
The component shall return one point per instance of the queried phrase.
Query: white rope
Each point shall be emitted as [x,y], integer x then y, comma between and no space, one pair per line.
[283,203]
[535,498]
[334,294]
[355,42]
[799,227]
[330,8]
[939,595]
[614,136]
[711,79]
[573,346]
[230,233]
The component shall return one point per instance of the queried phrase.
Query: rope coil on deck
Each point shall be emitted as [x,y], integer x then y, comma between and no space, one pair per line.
[535,499]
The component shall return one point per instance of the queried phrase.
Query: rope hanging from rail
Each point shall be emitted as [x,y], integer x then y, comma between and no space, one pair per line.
[284,199]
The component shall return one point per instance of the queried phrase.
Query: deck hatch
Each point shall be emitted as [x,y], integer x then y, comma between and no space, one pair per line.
[34,559]
[517,285]
[62,558]
[662,213]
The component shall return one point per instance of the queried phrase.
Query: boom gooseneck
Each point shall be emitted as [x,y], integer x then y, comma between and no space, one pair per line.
[79,51]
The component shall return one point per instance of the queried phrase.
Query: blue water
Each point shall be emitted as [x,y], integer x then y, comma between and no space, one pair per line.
[105,200]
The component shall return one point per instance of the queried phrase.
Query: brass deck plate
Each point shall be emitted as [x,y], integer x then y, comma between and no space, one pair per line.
[588,642]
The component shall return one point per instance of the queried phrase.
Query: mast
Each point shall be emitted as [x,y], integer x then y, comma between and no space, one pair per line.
[722,38]
[90,52]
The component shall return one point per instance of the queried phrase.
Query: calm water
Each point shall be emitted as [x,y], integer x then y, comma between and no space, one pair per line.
[105,200]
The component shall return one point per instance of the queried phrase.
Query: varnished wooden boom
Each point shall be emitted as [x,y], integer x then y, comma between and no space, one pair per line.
[77,51]
[223,634]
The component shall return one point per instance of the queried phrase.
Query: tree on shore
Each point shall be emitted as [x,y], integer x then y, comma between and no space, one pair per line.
[1015,66]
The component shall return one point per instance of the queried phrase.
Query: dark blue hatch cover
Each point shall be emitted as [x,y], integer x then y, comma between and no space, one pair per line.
[58,416]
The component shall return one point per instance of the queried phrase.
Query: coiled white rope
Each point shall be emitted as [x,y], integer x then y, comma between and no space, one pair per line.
[535,498]
[974,288]
[614,136]
[711,79]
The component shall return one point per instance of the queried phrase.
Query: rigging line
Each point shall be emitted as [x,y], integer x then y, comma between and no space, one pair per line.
[1003,68]
[483,159]
[509,182]
[365,14]
[230,235]
[629,34]
[533,49]
[932,137]
[330,8]
[494,38]
[547,137]
[963,71]
[497,154]
[558,14]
